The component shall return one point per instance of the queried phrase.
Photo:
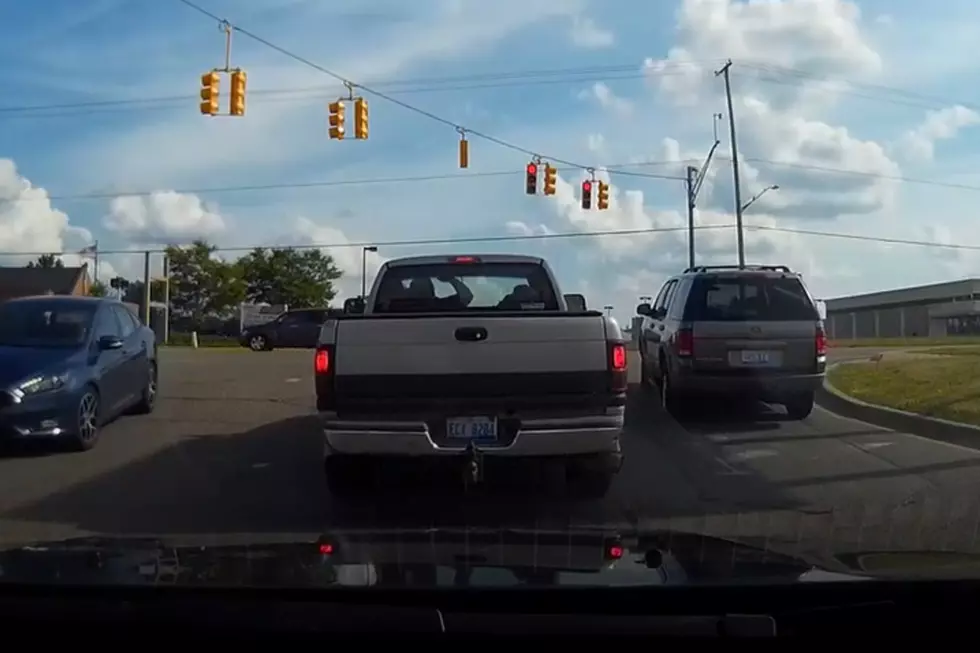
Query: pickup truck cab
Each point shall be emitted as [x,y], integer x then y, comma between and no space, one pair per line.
[457,359]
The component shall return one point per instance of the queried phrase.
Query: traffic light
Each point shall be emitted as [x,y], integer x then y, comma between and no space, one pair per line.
[550,179]
[210,86]
[586,195]
[337,118]
[603,199]
[532,178]
[238,79]
[360,118]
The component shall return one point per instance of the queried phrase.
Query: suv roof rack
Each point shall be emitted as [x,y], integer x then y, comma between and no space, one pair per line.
[766,268]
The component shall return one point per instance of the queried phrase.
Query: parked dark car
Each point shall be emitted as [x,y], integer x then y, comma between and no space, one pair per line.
[69,364]
[298,328]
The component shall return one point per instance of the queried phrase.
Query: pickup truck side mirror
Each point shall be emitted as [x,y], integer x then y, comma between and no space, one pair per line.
[354,306]
[575,303]
[644,309]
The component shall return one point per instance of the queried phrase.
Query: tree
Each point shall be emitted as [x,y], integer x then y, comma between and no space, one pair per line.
[47,261]
[298,278]
[98,289]
[134,292]
[200,284]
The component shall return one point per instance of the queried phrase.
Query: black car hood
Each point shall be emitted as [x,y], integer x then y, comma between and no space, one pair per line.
[421,558]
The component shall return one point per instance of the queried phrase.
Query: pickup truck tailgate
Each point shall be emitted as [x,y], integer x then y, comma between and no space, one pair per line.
[439,357]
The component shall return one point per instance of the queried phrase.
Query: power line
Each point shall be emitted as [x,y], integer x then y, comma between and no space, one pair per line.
[399,87]
[510,79]
[415,242]
[613,169]
[550,236]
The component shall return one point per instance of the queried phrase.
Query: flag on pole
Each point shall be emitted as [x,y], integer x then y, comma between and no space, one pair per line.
[91,249]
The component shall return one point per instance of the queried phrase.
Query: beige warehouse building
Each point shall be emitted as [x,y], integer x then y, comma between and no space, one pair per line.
[936,310]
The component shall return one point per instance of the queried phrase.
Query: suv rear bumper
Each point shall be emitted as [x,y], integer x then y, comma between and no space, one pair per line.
[552,437]
[763,387]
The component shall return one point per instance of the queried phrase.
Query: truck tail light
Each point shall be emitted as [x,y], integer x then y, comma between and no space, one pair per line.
[684,343]
[821,342]
[618,367]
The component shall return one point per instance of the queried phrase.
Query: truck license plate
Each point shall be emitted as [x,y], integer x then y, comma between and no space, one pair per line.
[755,358]
[474,429]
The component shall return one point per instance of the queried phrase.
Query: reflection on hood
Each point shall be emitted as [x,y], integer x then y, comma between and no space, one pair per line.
[415,558]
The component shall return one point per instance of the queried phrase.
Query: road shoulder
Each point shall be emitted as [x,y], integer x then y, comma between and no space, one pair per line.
[913,384]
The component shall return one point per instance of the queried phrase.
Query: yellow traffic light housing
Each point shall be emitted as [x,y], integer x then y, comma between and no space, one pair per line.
[210,89]
[550,179]
[360,118]
[337,118]
[238,81]
[603,198]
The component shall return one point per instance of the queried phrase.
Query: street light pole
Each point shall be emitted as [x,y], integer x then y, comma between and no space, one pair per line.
[758,195]
[364,253]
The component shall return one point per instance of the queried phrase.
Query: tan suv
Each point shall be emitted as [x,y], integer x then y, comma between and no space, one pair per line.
[752,332]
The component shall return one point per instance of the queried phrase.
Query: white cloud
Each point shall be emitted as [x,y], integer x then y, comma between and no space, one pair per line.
[608,100]
[586,34]
[348,258]
[164,216]
[918,144]
[29,222]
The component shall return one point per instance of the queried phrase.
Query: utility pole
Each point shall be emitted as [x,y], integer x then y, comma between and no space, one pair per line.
[725,72]
[693,181]
[166,299]
[146,288]
[689,184]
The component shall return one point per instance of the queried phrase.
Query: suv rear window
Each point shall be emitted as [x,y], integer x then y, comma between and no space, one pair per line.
[749,299]
[482,287]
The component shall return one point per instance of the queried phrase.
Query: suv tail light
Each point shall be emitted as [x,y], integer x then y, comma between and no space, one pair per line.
[324,369]
[684,343]
[618,367]
[821,342]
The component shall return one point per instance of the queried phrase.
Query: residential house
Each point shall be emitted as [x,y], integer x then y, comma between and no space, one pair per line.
[24,282]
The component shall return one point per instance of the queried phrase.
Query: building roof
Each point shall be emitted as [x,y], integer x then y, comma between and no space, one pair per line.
[21,281]
[938,292]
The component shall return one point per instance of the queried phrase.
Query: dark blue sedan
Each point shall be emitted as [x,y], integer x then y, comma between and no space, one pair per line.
[68,365]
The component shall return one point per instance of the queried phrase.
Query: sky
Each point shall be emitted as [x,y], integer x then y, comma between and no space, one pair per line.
[860,112]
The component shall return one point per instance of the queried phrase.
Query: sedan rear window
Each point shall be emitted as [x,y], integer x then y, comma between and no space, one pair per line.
[750,299]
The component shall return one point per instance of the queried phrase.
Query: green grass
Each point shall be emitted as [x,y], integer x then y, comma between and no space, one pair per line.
[907,342]
[946,386]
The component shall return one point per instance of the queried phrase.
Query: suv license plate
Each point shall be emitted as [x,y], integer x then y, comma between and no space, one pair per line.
[756,358]
[473,429]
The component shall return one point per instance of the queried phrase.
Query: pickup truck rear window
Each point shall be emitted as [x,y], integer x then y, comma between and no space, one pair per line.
[749,299]
[450,287]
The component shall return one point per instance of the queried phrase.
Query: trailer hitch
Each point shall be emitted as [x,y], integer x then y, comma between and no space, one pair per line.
[472,466]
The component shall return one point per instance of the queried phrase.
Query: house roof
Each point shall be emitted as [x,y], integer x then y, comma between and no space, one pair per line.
[21,281]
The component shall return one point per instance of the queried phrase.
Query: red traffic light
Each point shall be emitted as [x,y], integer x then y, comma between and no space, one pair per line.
[586,186]
[532,169]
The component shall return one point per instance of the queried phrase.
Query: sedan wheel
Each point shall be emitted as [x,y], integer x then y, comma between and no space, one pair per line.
[257,343]
[87,421]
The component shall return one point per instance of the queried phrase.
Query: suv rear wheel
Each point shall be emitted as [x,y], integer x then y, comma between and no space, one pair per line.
[800,406]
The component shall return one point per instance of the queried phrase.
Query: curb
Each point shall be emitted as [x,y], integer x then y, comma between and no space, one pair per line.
[934,428]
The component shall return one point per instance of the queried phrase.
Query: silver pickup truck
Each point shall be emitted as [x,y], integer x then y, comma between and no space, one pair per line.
[463,359]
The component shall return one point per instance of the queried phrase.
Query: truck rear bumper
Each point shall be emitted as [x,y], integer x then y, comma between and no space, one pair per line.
[598,434]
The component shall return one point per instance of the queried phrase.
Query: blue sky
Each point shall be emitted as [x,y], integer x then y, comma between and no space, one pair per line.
[873,88]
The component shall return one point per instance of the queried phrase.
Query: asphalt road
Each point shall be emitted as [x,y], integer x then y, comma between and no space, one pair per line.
[233,450]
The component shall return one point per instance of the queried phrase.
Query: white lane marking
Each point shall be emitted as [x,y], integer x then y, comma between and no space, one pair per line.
[754,454]
[294,379]
[874,445]
[259,465]
[728,469]
[882,429]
